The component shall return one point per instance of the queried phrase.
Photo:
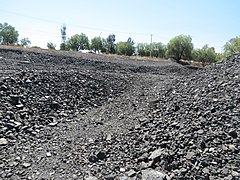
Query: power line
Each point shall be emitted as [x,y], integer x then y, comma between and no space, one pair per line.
[72,25]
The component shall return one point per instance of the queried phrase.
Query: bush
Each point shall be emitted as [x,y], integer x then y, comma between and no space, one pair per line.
[50,45]
[205,55]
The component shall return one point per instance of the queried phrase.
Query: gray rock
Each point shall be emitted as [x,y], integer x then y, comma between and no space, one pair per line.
[101,155]
[156,154]
[123,178]
[151,174]
[14,99]
[92,158]
[235,174]
[109,177]
[233,133]
[91,178]
[3,88]
[190,155]
[109,137]
[131,173]
[26,165]
[52,124]
[3,141]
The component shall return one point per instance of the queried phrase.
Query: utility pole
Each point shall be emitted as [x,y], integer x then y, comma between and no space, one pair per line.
[151,46]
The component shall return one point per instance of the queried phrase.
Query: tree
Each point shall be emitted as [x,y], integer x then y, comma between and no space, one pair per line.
[8,34]
[25,42]
[157,50]
[231,47]
[205,55]
[78,42]
[125,48]
[104,45]
[64,37]
[180,47]
[96,44]
[50,45]
[140,49]
[110,44]
[153,49]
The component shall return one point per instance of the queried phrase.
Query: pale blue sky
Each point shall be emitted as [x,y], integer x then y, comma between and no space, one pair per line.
[211,22]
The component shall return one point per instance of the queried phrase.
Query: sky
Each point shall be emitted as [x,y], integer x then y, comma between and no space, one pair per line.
[212,22]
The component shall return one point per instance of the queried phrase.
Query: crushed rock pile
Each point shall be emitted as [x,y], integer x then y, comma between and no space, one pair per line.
[196,124]
[65,117]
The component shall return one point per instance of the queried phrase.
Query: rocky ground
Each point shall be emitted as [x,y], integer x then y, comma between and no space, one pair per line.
[66,115]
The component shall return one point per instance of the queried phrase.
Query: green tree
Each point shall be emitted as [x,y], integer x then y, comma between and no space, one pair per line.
[157,50]
[8,34]
[96,44]
[140,49]
[78,42]
[205,55]
[25,42]
[180,47]
[231,47]
[154,49]
[125,48]
[111,44]
[104,45]
[50,45]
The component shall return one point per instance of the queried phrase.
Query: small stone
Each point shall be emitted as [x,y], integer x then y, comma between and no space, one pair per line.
[214,163]
[131,173]
[52,124]
[190,155]
[151,163]
[122,170]
[156,154]
[225,171]
[235,174]
[14,99]
[109,177]
[3,88]
[200,131]
[74,176]
[26,165]
[231,146]
[144,165]
[48,154]
[211,150]
[109,137]
[101,155]
[17,124]
[148,174]
[3,141]
[233,133]
[215,99]
[90,140]
[205,170]
[28,81]
[12,164]
[19,106]
[91,178]
[93,158]
[54,105]
[183,170]
[123,178]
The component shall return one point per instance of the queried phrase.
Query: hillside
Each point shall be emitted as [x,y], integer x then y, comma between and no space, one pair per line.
[66,115]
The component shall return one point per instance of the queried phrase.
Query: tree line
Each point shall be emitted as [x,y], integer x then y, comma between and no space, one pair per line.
[178,48]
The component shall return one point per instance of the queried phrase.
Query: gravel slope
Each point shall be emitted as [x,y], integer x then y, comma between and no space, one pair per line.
[74,116]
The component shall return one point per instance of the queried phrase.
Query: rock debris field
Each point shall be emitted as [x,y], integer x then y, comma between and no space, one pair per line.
[66,115]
